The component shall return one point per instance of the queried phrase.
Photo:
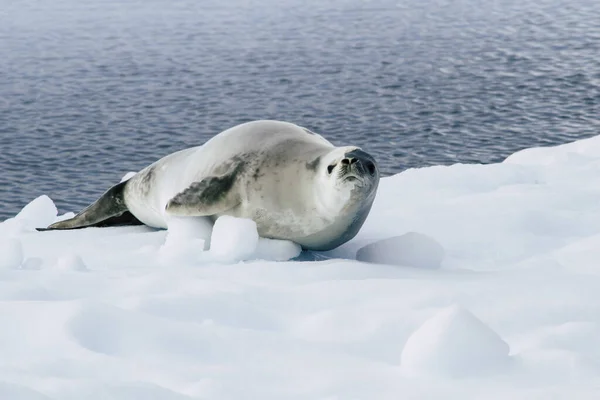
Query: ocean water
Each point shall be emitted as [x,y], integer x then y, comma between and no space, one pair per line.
[92,89]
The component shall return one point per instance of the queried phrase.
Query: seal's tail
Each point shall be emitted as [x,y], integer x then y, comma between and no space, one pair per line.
[109,210]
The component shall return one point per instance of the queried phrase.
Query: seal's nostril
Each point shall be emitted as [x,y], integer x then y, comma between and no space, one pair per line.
[345,161]
[353,160]
[370,167]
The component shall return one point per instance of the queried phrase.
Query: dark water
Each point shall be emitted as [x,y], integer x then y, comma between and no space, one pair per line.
[92,89]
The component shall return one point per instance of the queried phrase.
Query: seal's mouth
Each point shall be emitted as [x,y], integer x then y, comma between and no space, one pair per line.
[350,173]
[351,178]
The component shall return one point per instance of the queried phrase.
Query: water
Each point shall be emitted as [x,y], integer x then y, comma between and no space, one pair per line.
[90,90]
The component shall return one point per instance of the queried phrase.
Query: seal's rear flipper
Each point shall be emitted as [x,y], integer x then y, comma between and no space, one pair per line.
[108,210]
[125,219]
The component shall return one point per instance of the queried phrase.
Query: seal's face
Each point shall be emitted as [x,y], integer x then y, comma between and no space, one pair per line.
[355,169]
[349,179]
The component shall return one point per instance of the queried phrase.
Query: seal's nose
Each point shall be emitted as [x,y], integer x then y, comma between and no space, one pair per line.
[349,160]
[360,161]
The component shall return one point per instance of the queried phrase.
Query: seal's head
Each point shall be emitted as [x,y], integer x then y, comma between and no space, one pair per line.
[348,179]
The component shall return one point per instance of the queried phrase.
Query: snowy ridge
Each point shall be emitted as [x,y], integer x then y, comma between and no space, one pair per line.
[474,281]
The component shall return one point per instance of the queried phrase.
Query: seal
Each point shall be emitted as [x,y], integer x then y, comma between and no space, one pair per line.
[292,182]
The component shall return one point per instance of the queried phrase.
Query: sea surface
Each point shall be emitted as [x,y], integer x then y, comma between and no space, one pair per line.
[92,89]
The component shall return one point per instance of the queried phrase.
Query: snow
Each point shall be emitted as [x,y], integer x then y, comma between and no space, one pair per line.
[71,262]
[128,176]
[453,342]
[236,239]
[233,239]
[276,250]
[466,282]
[11,253]
[185,241]
[411,249]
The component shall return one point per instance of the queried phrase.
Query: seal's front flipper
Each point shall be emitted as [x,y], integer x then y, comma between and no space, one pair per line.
[108,210]
[210,196]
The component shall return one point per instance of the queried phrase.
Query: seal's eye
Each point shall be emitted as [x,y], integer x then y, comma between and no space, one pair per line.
[330,169]
[370,167]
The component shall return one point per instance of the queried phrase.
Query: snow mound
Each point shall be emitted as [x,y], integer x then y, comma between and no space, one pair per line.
[233,239]
[32,263]
[411,249]
[453,343]
[71,262]
[11,253]
[276,250]
[40,212]
[577,152]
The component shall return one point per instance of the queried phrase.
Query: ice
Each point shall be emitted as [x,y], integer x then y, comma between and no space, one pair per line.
[233,239]
[33,263]
[183,229]
[71,262]
[187,239]
[128,176]
[465,282]
[276,250]
[454,342]
[11,253]
[411,249]
[39,212]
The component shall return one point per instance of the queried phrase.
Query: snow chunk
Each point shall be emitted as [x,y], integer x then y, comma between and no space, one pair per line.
[65,216]
[40,212]
[411,249]
[233,239]
[70,262]
[187,237]
[276,250]
[182,229]
[453,343]
[230,240]
[11,253]
[128,176]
